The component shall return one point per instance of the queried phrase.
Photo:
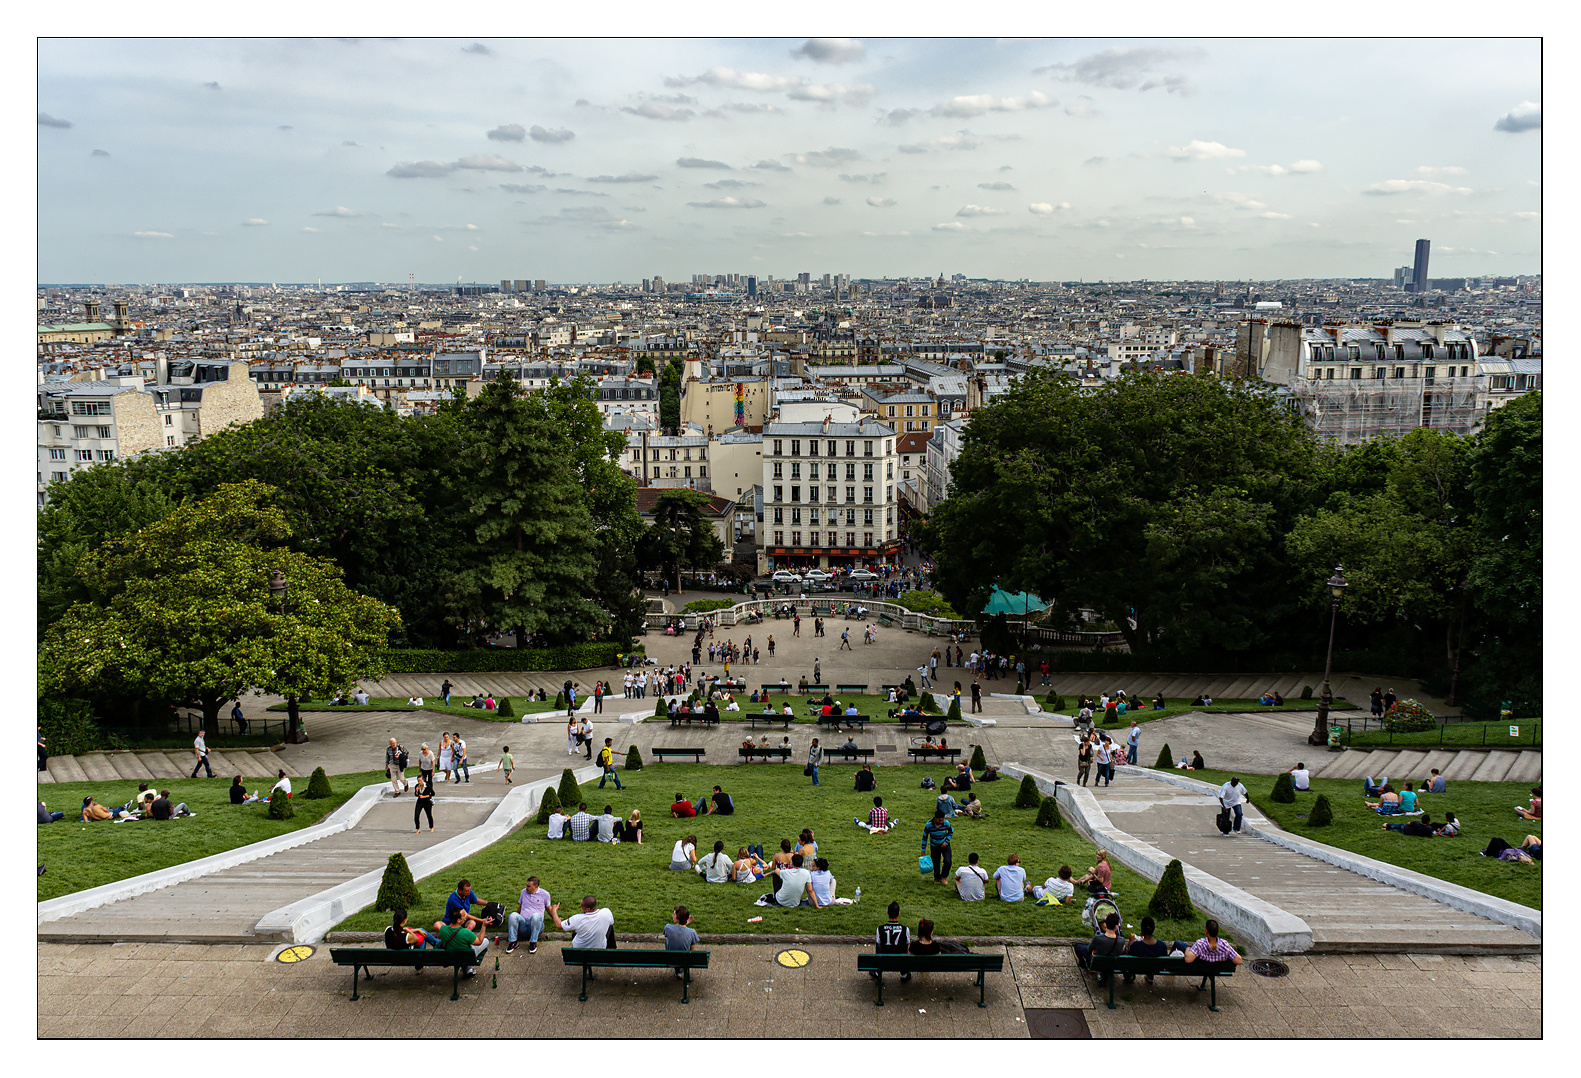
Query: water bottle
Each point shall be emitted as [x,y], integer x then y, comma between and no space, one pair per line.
[858,892]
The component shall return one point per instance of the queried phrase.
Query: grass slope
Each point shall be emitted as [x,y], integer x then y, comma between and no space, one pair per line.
[775,801]
[1484,809]
[81,855]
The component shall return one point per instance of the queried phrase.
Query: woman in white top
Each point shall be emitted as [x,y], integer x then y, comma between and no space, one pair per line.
[446,754]
[570,738]
[283,784]
[414,701]
[684,857]
[748,866]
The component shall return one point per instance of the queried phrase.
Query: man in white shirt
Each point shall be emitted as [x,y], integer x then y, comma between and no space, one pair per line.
[971,880]
[1300,777]
[1104,759]
[593,928]
[200,749]
[1231,795]
[795,885]
[606,825]
[1055,888]
[361,696]
[557,822]
[1011,879]
[282,783]
[715,868]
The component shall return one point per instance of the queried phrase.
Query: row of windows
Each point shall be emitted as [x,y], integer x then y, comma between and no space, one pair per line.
[831,447]
[85,456]
[1380,352]
[90,407]
[834,516]
[91,432]
[910,411]
[814,537]
[833,471]
[702,472]
[812,494]
[702,454]
[1428,373]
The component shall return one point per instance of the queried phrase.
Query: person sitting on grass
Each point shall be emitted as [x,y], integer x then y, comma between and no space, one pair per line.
[1407,799]
[631,830]
[1386,796]
[1422,828]
[1197,763]
[961,780]
[1011,880]
[807,846]
[1535,810]
[683,807]
[1099,873]
[971,880]
[1433,785]
[1158,702]
[878,817]
[795,886]
[1451,826]
[239,794]
[720,804]
[1056,890]
[1301,778]
[947,805]
[684,857]
[92,810]
[973,809]
[582,824]
[557,821]
[823,882]
[865,780]
[1106,941]
[1148,947]
[749,866]
[1210,948]
[716,867]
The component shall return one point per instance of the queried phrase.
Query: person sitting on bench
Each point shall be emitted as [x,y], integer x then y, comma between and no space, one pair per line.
[849,747]
[400,936]
[1148,947]
[593,928]
[452,936]
[1210,948]
[1106,941]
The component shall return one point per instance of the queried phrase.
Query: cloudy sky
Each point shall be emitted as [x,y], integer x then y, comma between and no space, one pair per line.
[587,160]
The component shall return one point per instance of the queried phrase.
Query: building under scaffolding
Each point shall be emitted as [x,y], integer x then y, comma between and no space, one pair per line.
[1356,410]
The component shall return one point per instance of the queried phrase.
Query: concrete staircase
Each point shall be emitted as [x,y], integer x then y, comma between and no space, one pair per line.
[150,765]
[1414,765]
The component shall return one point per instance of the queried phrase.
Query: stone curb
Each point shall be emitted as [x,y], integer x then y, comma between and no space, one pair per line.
[307,919]
[343,818]
[1261,925]
[1450,894]
[737,938]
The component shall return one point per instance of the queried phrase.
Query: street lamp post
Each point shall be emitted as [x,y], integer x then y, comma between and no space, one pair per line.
[278,588]
[1336,587]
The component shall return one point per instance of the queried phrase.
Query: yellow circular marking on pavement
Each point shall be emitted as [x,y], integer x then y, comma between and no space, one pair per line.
[793,958]
[294,954]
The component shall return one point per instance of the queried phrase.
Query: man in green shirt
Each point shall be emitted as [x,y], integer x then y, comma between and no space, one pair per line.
[507,763]
[452,937]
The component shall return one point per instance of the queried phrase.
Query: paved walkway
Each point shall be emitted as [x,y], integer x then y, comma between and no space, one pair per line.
[93,990]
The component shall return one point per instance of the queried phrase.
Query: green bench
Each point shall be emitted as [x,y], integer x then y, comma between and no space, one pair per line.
[885,619]
[783,687]
[979,964]
[768,752]
[360,959]
[840,752]
[834,722]
[1117,966]
[695,754]
[862,688]
[920,755]
[617,958]
[676,719]
[766,719]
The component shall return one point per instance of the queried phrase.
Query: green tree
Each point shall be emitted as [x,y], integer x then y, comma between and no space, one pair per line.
[1166,757]
[681,535]
[182,610]
[979,762]
[1027,794]
[1048,814]
[548,804]
[1284,790]
[633,759]
[1321,814]
[280,805]
[670,395]
[570,792]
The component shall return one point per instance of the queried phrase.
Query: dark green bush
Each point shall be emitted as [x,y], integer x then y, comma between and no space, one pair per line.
[505,707]
[1028,796]
[1048,814]
[1054,702]
[1306,693]
[570,792]
[1111,716]
[318,786]
[1166,757]
[1321,815]
[69,727]
[1020,688]
[397,891]
[928,703]
[979,762]
[559,700]
[1171,900]
[661,708]
[550,802]
[280,806]
[487,660]
[633,759]
[1284,790]
[954,714]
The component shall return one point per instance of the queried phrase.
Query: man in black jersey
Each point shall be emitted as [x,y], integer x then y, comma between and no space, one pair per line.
[893,938]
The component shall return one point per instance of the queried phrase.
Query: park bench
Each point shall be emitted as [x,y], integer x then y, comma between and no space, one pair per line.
[820,610]
[695,754]
[361,959]
[618,958]
[1118,965]
[768,752]
[921,721]
[920,754]
[783,687]
[835,722]
[844,753]
[885,619]
[979,964]
[691,717]
[862,688]
[784,721]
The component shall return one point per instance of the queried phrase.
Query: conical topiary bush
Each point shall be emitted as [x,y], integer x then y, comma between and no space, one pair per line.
[397,891]
[633,759]
[550,802]
[1048,814]
[1166,757]
[928,703]
[505,707]
[559,700]
[954,714]
[318,786]
[1284,790]
[1028,796]
[1171,901]
[661,708]
[1322,814]
[979,762]
[280,806]
[570,792]
[1111,716]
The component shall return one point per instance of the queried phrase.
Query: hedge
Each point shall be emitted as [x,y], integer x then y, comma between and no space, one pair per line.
[489,660]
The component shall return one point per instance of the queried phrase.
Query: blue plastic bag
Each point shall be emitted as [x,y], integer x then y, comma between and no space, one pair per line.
[925,865]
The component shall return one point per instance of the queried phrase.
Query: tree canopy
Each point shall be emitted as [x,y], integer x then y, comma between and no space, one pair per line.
[681,534]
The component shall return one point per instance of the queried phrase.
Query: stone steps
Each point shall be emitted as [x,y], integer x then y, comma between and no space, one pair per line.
[161,766]
[96,766]
[274,765]
[128,766]
[66,769]
[1495,767]
[1463,765]
[1529,768]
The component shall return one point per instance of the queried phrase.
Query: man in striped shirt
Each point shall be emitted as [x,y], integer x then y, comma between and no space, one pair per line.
[936,835]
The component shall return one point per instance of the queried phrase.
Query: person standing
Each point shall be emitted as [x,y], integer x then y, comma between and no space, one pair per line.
[933,664]
[1388,699]
[1377,702]
[572,738]
[598,697]
[936,835]
[922,672]
[394,769]
[200,749]
[1232,795]
[507,763]
[1084,760]
[1104,754]
[814,760]
[1133,742]
[446,755]
[459,748]
[817,671]
[977,696]
[424,804]
[584,730]
[43,753]
[425,764]
[606,760]
[771,645]
[444,691]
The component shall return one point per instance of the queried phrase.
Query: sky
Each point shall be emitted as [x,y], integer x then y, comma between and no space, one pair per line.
[589,160]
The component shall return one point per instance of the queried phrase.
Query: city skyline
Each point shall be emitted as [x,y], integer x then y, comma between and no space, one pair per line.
[582,160]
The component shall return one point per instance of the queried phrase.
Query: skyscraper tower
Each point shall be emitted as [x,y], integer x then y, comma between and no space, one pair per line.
[1419,271]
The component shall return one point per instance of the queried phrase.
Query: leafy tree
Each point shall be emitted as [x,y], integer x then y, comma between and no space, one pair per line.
[681,534]
[506,710]
[1171,900]
[670,395]
[182,610]
[397,890]
[954,713]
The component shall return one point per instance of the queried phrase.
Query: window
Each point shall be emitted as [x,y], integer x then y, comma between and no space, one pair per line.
[1399,372]
[779,470]
[84,454]
[688,471]
[795,538]
[796,447]
[850,519]
[1354,352]
[831,446]
[686,454]
[702,471]
[82,432]
[888,494]
[834,494]
[656,457]
[779,538]
[867,449]
[795,469]
[850,495]
[910,424]
[850,538]
[867,538]
[779,515]
[812,447]
[90,407]
[1399,356]
[850,448]
[1427,351]
[1381,372]
[850,473]
[892,411]
[812,470]
[169,420]
[1501,381]
[795,494]
[812,517]
[776,447]
[812,493]
[867,517]
[779,493]
[57,454]
[867,495]
[1355,372]
[1429,374]
[889,469]
[812,539]
[909,410]
[57,477]
[924,412]
[867,473]
[795,516]
[889,518]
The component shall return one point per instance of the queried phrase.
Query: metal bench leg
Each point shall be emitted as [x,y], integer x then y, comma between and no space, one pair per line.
[455,983]
[1213,993]
[585,971]
[686,984]
[355,973]
[1112,976]
[982,987]
[880,1002]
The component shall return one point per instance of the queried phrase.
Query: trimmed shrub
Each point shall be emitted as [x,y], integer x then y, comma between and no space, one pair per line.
[703,606]
[633,759]
[487,660]
[1306,693]
[1284,790]
[1166,757]
[979,762]
[1111,716]
[570,792]
[1054,702]
[928,703]
[1048,814]
[318,786]
[280,806]
[661,709]
[505,707]
[1321,815]
[1171,901]
[550,802]
[1028,796]
[559,700]
[1408,715]
[397,891]
[954,714]
[69,727]
[1020,688]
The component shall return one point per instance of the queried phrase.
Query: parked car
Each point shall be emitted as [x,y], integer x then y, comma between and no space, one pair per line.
[861,574]
[817,574]
[785,576]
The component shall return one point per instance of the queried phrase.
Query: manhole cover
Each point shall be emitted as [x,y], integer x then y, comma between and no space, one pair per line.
[1269,967]
[1057,1024]
[294,954]
[793,958]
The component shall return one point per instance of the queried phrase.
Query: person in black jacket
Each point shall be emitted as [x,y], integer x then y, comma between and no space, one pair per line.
[1107,941]
[865,780]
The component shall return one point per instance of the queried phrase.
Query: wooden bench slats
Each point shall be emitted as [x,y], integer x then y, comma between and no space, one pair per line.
[772,751]
[695,754]
[620,958]
[931,963]
[1119,965]
[363,958]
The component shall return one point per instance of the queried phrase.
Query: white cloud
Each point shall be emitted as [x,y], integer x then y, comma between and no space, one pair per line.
[830,50]
[997,185]
[739,80]
[487,162]
[797,235]
[655,110]
[830,200]
[1233,198]
[550,135]
[833,157]
[949,226]
[338,211]
[624,177]
[700,162]
[1081,107]
[508,133]
[1306,165]
[1274,215]
[863,177]
[880,202]
[1527,116]
[751,106]
[729,202]
[477,48]
[437,239]
[1045,208]
[255,222]
[310,228]
[943,142]
[152,235]
[1125,69]
[420,170]
[1419,187]
[729,183]
[834,93]
[1441,170]
[1197,150]
[1527,215]
[969,105]
[971,210]
[1259,170]
[896,117]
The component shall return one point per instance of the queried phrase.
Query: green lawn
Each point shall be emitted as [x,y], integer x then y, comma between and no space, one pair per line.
[1492,734]
[775,801]
[1484,809]
[1220,706]
[81,855]
[521,705]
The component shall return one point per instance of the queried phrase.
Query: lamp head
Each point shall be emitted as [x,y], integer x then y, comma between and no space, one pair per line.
[1336,583]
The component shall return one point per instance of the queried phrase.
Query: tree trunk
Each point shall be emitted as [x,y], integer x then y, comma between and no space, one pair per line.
[211,713]
[294,734]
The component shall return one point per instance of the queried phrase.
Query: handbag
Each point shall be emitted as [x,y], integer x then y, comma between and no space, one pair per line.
[807,770]
[925,864]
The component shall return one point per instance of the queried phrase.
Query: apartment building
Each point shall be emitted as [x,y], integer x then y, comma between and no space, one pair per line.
[829,494]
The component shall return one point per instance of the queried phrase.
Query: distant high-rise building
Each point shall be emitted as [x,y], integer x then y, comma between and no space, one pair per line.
[537,285]
[804,279]
[1419,271]
[752,287]
[1402,277]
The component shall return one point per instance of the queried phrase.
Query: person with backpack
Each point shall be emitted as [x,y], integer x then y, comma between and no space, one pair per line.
[606,760]
[395,767]
[1231,795]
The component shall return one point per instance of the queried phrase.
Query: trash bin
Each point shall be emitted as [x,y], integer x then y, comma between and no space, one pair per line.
[1334,735]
